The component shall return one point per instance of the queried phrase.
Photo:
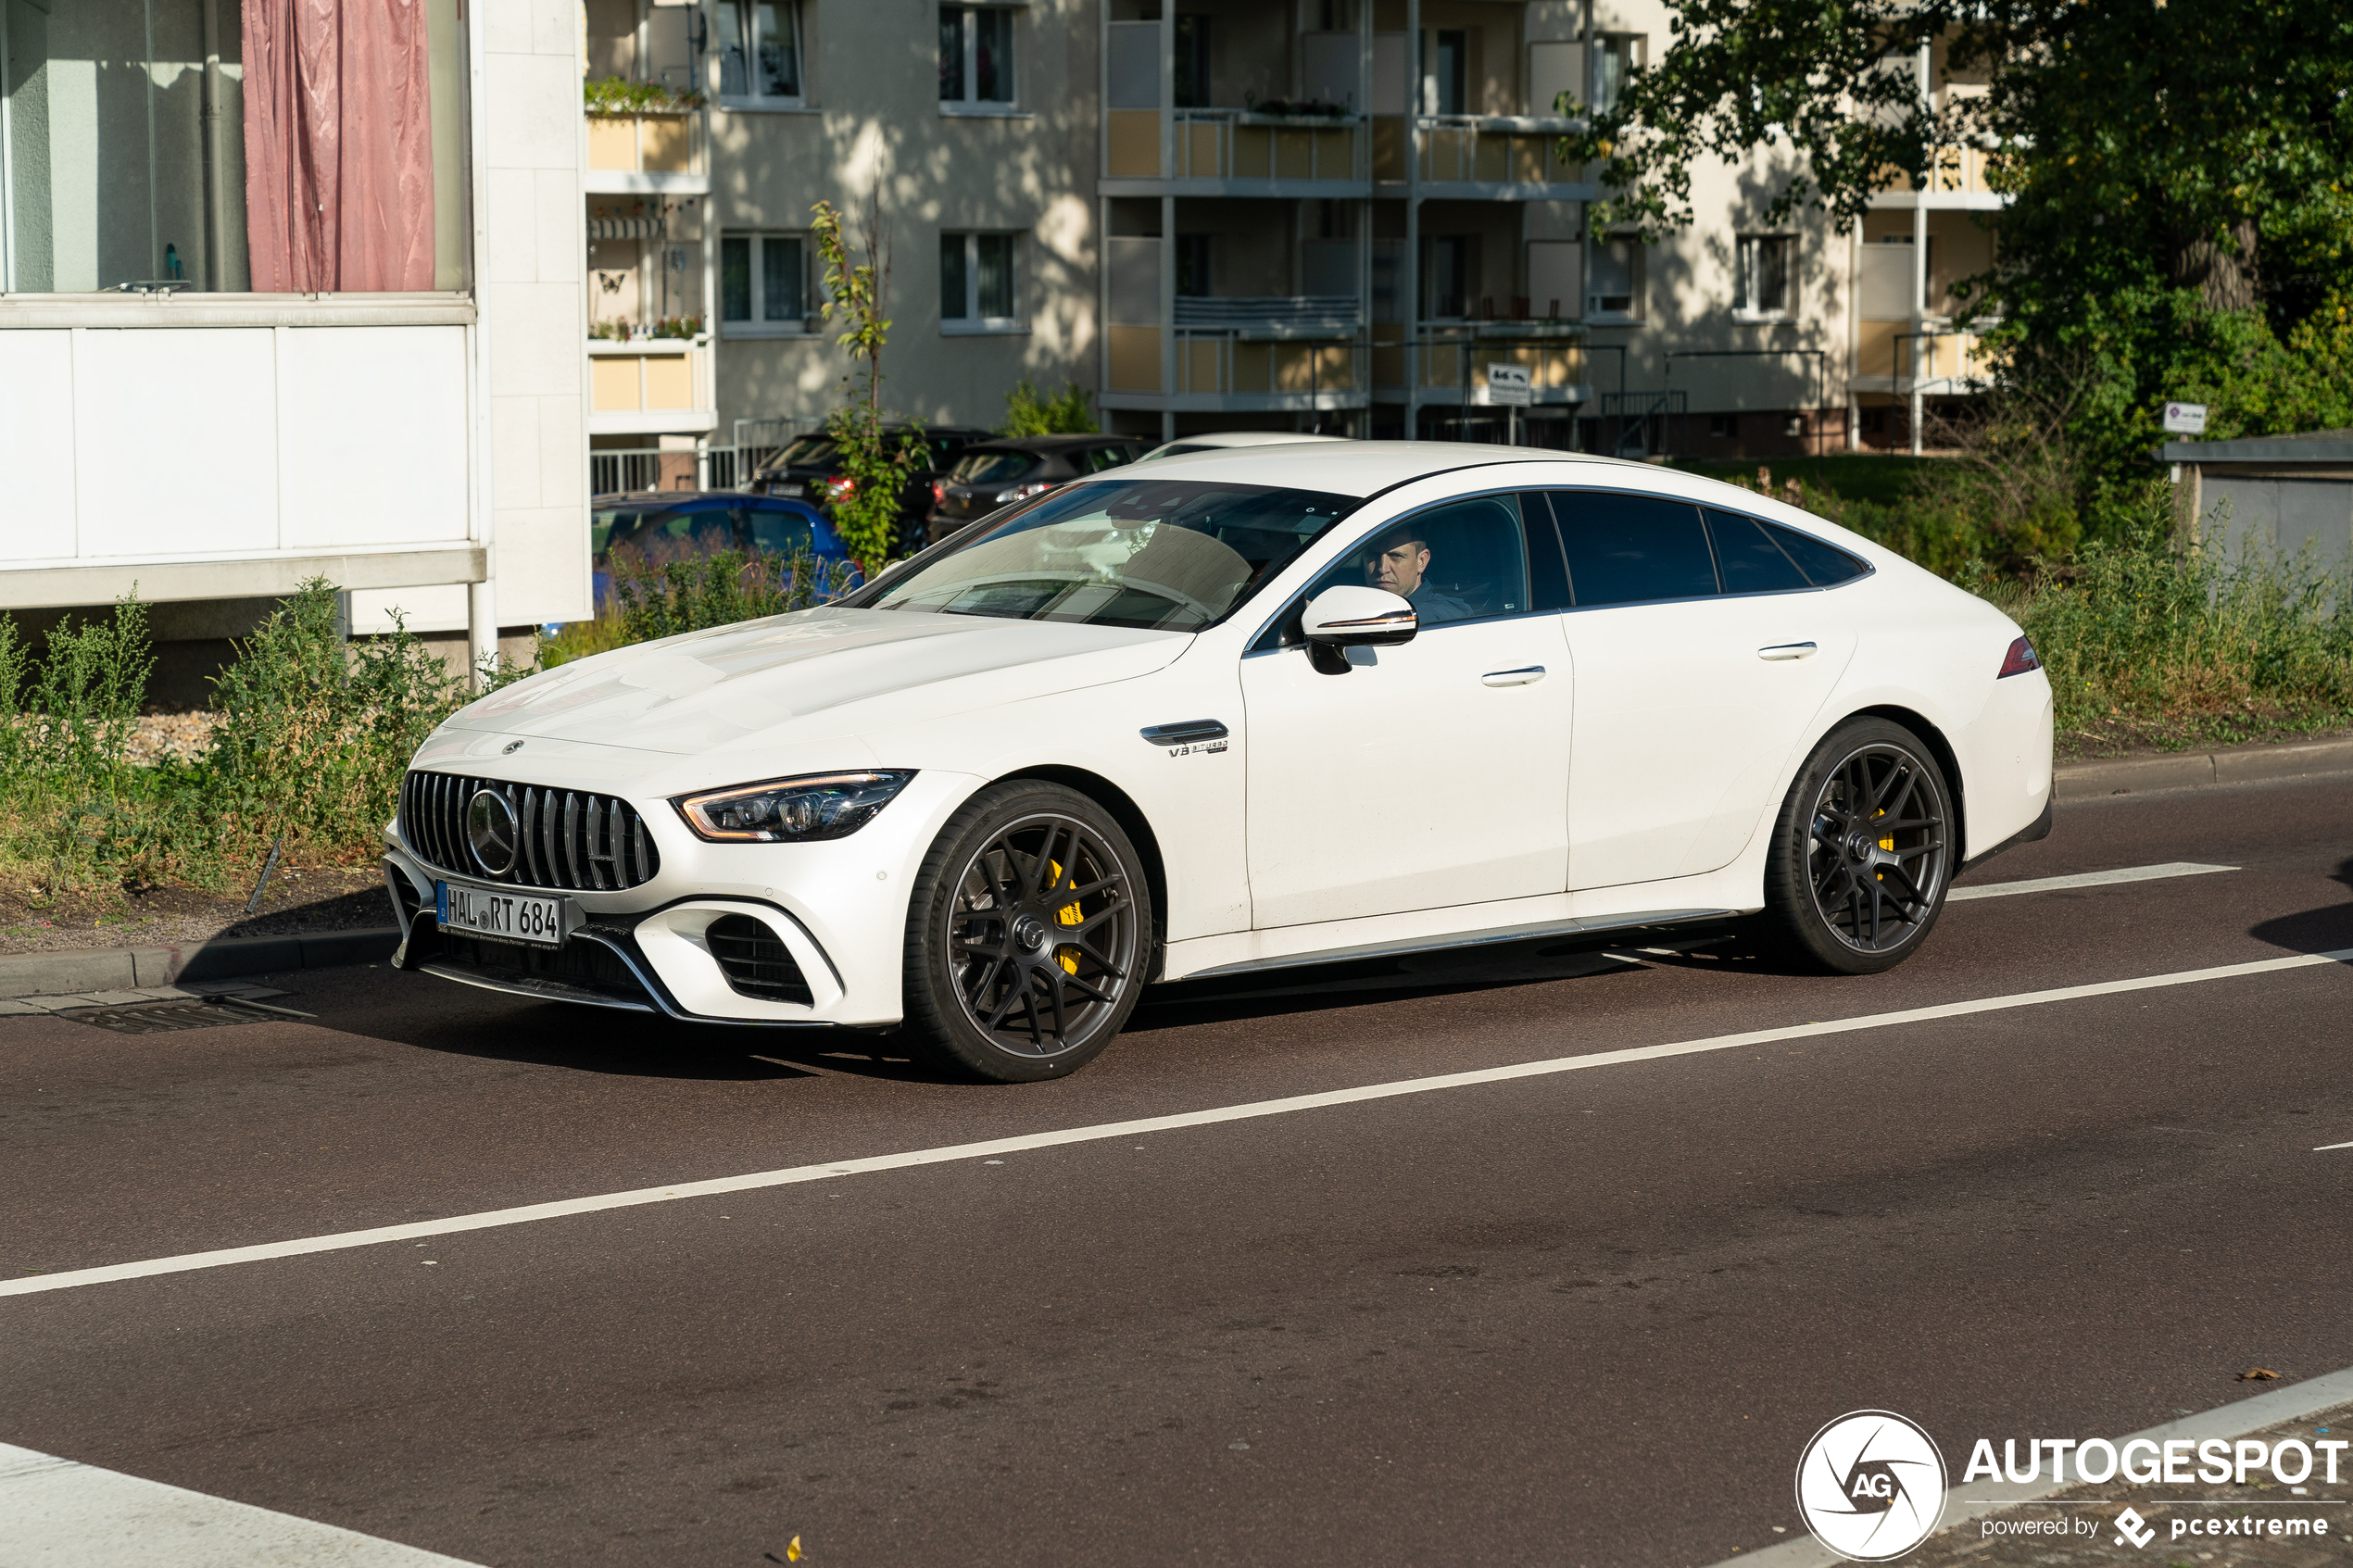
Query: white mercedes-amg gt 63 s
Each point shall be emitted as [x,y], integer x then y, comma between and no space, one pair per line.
[1234,710]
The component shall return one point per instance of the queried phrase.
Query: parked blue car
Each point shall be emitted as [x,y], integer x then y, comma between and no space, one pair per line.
[660,526]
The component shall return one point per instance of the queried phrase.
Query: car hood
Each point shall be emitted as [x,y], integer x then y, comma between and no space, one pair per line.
[816,674]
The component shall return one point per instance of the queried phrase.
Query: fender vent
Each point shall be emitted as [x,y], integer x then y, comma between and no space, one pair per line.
[755,962]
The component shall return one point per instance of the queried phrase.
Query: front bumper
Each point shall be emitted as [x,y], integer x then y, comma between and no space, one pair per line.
[783,935]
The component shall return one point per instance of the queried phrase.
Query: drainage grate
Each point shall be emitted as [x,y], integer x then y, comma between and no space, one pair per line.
[164,1018]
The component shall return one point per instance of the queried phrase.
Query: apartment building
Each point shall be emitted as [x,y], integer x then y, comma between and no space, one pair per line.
[968,137]
[1323,214]
[291,290]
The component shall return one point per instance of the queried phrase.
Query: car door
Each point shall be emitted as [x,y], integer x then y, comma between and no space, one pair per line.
[1431,773]
[1689,699]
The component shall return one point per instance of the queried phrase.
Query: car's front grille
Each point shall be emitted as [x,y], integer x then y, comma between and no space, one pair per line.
[567,839]
[755,962]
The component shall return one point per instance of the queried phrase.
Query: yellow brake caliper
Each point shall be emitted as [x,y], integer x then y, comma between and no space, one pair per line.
[1887,843]
[1068,915]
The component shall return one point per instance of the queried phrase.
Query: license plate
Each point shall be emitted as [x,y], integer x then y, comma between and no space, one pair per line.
[507,917]
[788,490]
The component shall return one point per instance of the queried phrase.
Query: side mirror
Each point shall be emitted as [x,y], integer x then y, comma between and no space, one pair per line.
[1347,617]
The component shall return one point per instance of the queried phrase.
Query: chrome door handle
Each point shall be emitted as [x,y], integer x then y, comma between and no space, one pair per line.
[1787,650]
[1527,677]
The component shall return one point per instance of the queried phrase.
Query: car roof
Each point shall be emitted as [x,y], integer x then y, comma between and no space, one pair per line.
[1362,468]
[1221,438]
[1045,443]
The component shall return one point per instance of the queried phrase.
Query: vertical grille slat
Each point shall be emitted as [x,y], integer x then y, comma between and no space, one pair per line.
[559,831]
[571,839]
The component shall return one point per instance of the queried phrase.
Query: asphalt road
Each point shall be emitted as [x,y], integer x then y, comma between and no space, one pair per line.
[1590,1317]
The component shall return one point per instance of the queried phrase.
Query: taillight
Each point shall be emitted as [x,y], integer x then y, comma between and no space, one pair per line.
[840,488]
[2019,660]
[938,492]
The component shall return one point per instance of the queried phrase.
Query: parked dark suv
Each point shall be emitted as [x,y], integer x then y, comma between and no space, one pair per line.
[997,473]
[808,468]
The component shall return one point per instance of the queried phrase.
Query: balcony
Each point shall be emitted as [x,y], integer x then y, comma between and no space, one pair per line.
[1244,354]
[1482,158]
[647,154]
[1453,361]
[1236,153]
[1935,358]
[1957,182]
[652,386]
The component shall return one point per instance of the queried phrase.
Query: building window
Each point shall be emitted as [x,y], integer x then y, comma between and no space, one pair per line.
[1616,56]
[1191,84]
[1443,77]
[1448,263]
[759,48]
[977,283]
[151,149]
[1613,291]
[976,57]
[1193,264]
[1761,286]
[764,284]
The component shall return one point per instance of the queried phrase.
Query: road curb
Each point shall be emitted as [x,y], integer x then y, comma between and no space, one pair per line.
[127,968]
[2202,769]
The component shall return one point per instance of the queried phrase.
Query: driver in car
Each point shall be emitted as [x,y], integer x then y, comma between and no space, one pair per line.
[1400,562]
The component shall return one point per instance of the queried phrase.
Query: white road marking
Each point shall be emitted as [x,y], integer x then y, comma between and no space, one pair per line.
[2323,1148]
[870,1164]
[2085,879]
[61,1514]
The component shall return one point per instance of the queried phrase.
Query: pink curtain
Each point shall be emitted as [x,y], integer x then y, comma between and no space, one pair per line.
[338,146]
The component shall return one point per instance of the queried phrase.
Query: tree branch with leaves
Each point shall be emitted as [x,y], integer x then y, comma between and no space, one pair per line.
[866,514]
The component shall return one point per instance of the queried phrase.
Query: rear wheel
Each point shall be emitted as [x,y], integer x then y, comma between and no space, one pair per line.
[1028,934]
[1862,851]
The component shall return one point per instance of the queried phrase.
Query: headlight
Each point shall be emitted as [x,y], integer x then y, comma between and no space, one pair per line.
[797,811]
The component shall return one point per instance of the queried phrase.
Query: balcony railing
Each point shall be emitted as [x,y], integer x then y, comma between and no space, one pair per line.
[1961,172]
[1456,360]
[1228,364]
[646,152]
[651,384]
[1238,145]
[1488,150]
[1900,355]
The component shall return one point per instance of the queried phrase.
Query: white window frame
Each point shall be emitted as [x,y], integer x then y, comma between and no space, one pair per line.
[973,323]
[1632,50]
[758,326]
[969,104]
[1633,311]
[1746,250]
[746,13]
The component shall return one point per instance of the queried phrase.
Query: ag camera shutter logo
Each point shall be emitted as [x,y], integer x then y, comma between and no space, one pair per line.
[1870,1485]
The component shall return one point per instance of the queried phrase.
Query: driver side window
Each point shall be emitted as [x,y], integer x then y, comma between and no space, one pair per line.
[1459,561]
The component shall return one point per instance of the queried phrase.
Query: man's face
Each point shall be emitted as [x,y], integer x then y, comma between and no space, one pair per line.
[1400,567]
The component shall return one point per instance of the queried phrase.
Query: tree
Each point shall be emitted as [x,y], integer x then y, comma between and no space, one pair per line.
[1031,412]
[866,514]
[2177,171]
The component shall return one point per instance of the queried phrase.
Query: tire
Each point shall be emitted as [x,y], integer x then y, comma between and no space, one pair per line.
[1863,851]
[1029,934]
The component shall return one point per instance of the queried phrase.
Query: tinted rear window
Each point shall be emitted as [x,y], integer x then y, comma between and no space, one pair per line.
[806,451]
[992,467]
[1626,549]
[1824,564]
[780,530]
[1751,561]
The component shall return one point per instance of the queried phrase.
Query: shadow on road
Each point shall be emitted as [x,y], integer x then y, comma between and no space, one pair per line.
[2325,930]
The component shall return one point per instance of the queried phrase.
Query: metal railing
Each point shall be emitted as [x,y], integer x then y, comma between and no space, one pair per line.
[1237,145]
[1226,362]
[615,471]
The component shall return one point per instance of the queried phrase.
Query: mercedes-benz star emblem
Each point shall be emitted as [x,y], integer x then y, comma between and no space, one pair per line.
[510,748]
[492,831]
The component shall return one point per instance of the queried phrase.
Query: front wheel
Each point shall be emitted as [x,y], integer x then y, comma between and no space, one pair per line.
[1863,850]
[1028,934]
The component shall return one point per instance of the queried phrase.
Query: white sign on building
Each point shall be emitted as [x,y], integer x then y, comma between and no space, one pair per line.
[1508,386]
[2185,419]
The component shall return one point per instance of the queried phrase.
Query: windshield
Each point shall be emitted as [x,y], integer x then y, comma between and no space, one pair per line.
[1177,554]
[991,467]
[658,534]
[806,451]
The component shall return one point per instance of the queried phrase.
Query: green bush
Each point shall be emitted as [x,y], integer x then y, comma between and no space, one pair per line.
[72,800]
[1030,412]
[652,602]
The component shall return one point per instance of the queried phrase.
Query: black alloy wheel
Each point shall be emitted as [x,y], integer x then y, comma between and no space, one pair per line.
[1863,850]
[1029,934]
